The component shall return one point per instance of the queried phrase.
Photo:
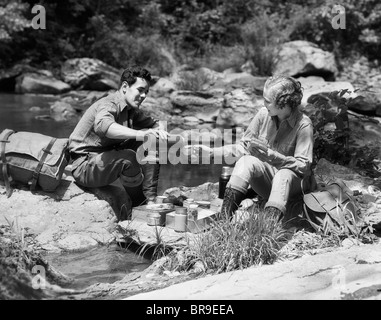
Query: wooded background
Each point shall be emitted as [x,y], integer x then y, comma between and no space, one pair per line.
[159,34]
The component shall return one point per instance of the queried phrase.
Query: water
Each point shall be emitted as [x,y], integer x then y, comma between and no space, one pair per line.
[98,265]
[105,264]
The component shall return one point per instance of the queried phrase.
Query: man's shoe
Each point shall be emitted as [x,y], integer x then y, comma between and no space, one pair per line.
[232,199]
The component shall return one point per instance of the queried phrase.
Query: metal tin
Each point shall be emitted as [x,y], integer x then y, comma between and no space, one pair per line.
[203,204]
[153,219]
[181,210]
[187,202]
[193,211]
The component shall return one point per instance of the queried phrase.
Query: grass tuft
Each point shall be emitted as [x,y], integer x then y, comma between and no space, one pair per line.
[232,245]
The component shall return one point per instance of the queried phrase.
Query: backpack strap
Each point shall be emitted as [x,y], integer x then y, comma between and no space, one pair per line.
[36,172]
[7,179]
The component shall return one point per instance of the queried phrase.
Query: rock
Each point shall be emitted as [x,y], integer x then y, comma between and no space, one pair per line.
[90,74]
[369,102]
[77,242]
[326,171]
[314,85]
[35,109]
[202,105]
[201,79]
[158,108]
[163,87]
[303,58]
[42,82]
[8,76]
[240,106]
[241,80]
[62,111]
[345,274]
[249,67]
[68,219]
[191,119]
[350,242]
[80,100]
[205,192]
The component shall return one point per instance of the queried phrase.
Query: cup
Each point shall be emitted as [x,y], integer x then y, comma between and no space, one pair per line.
[160,199]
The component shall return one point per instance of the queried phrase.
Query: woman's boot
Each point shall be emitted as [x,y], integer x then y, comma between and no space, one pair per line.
[232,199]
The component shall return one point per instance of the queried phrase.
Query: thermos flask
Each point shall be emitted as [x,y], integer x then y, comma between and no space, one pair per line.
[224,179]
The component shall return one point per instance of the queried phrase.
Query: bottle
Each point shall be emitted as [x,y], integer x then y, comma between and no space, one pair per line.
[224,179]
[181,219]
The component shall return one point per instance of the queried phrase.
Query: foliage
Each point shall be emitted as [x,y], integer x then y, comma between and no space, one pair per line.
[160,33]
[12,19]
[362,19]
[334,144]
[232,245]
[261,37]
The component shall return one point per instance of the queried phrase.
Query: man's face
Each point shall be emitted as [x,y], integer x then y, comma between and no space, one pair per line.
[135,94]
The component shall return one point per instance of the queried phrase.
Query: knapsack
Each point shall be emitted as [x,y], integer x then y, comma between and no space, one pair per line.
[332,209]
[32,158]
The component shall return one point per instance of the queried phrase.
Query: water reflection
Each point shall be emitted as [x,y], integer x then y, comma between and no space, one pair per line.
[98,265]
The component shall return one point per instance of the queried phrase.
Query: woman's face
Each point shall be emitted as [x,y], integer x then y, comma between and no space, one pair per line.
[269,94]
[269,100]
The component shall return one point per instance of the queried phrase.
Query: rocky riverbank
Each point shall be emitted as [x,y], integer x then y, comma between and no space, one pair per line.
[75,219]
[195,96]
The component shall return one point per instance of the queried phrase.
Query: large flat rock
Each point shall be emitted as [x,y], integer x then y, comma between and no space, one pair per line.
[70,219]
[353,273]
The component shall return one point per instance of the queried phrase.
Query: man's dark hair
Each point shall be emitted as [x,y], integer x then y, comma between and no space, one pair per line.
[131,73]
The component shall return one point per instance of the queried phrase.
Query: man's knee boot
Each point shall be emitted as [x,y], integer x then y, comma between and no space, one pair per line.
[232,199]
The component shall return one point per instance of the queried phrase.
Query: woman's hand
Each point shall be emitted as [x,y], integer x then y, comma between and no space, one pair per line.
[257,148]
[196,148]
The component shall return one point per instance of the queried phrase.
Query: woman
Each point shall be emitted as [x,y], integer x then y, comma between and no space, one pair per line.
[275,152]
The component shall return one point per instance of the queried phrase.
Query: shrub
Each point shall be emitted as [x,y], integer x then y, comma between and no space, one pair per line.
[117,46]
[232,245]
[334,144]
[261,37]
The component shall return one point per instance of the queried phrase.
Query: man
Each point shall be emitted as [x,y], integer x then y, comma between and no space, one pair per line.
[275,152]
[104,143]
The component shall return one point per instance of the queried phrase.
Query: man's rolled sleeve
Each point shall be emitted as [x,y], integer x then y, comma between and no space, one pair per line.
[104,118]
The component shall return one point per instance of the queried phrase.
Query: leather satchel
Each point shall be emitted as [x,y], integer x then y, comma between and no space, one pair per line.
[32,158]
[332,209]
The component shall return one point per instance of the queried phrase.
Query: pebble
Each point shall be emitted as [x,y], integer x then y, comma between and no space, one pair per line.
[349,242]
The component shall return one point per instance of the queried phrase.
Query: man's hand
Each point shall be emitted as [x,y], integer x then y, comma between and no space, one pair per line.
[157,133]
